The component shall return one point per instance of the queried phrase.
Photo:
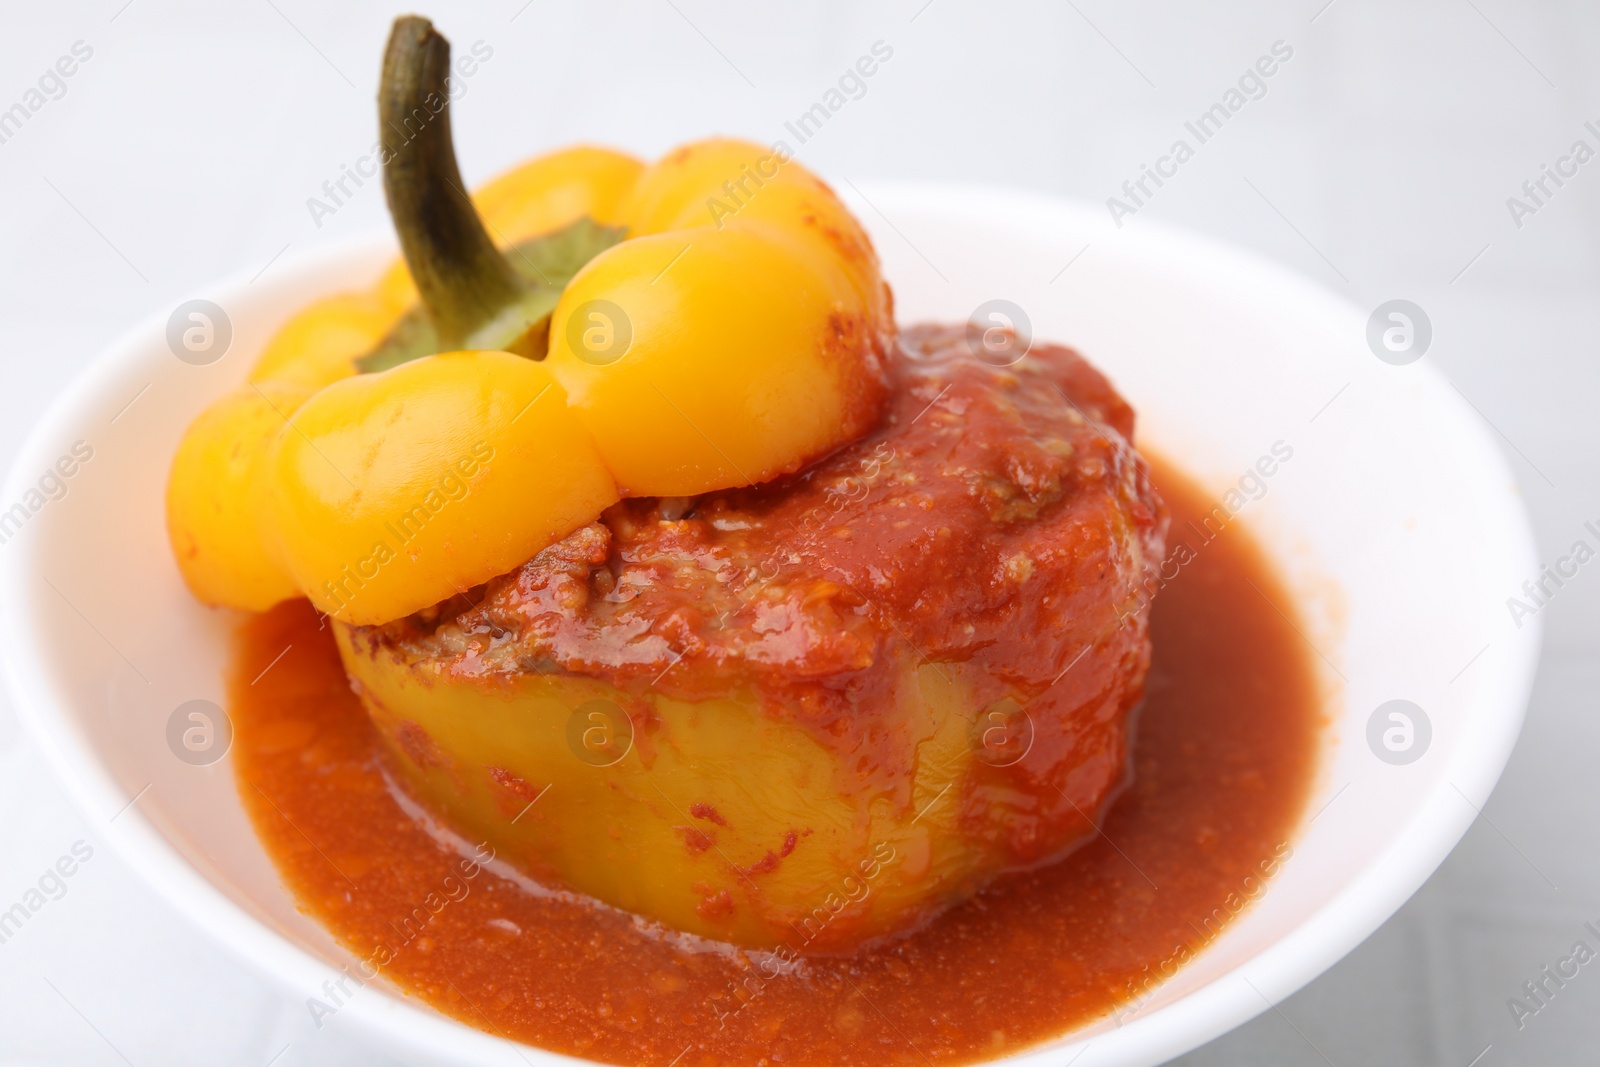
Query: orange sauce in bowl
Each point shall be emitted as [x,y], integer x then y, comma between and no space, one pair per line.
[1225,753]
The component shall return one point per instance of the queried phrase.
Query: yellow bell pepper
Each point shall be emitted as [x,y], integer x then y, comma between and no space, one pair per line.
[394,491]
[731,824]
[745,283]
[321,343]
[221,535]
[714,320]
[720,181]
[687,353]
[535,198]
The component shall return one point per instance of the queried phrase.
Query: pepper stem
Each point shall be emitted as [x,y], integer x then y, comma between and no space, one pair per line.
[464,280]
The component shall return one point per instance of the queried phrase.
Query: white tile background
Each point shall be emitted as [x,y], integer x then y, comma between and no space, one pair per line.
[186,147]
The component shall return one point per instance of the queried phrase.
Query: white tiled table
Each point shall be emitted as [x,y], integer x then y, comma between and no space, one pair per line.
[1381,159]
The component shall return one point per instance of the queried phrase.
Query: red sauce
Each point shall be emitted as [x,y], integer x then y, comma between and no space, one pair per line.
[1225,752]
[996,525]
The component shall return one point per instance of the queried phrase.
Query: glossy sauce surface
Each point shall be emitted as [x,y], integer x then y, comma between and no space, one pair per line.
[1224,756]
[924,646]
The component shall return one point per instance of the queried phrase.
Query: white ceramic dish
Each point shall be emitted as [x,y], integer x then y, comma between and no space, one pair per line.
[1396,523]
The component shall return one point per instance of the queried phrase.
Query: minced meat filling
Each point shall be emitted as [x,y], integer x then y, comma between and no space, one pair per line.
[997,514]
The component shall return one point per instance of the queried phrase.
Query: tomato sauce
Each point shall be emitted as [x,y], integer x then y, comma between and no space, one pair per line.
[1225,752]
[993,537]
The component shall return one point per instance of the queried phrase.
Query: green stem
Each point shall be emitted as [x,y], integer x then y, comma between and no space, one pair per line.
[465,282]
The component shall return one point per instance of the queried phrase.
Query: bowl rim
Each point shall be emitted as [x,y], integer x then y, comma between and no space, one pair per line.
[397,1021]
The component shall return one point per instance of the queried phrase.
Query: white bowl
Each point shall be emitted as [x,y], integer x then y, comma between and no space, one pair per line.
[1397,525]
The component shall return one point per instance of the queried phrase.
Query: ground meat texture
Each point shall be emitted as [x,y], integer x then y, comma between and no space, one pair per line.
[997,523]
